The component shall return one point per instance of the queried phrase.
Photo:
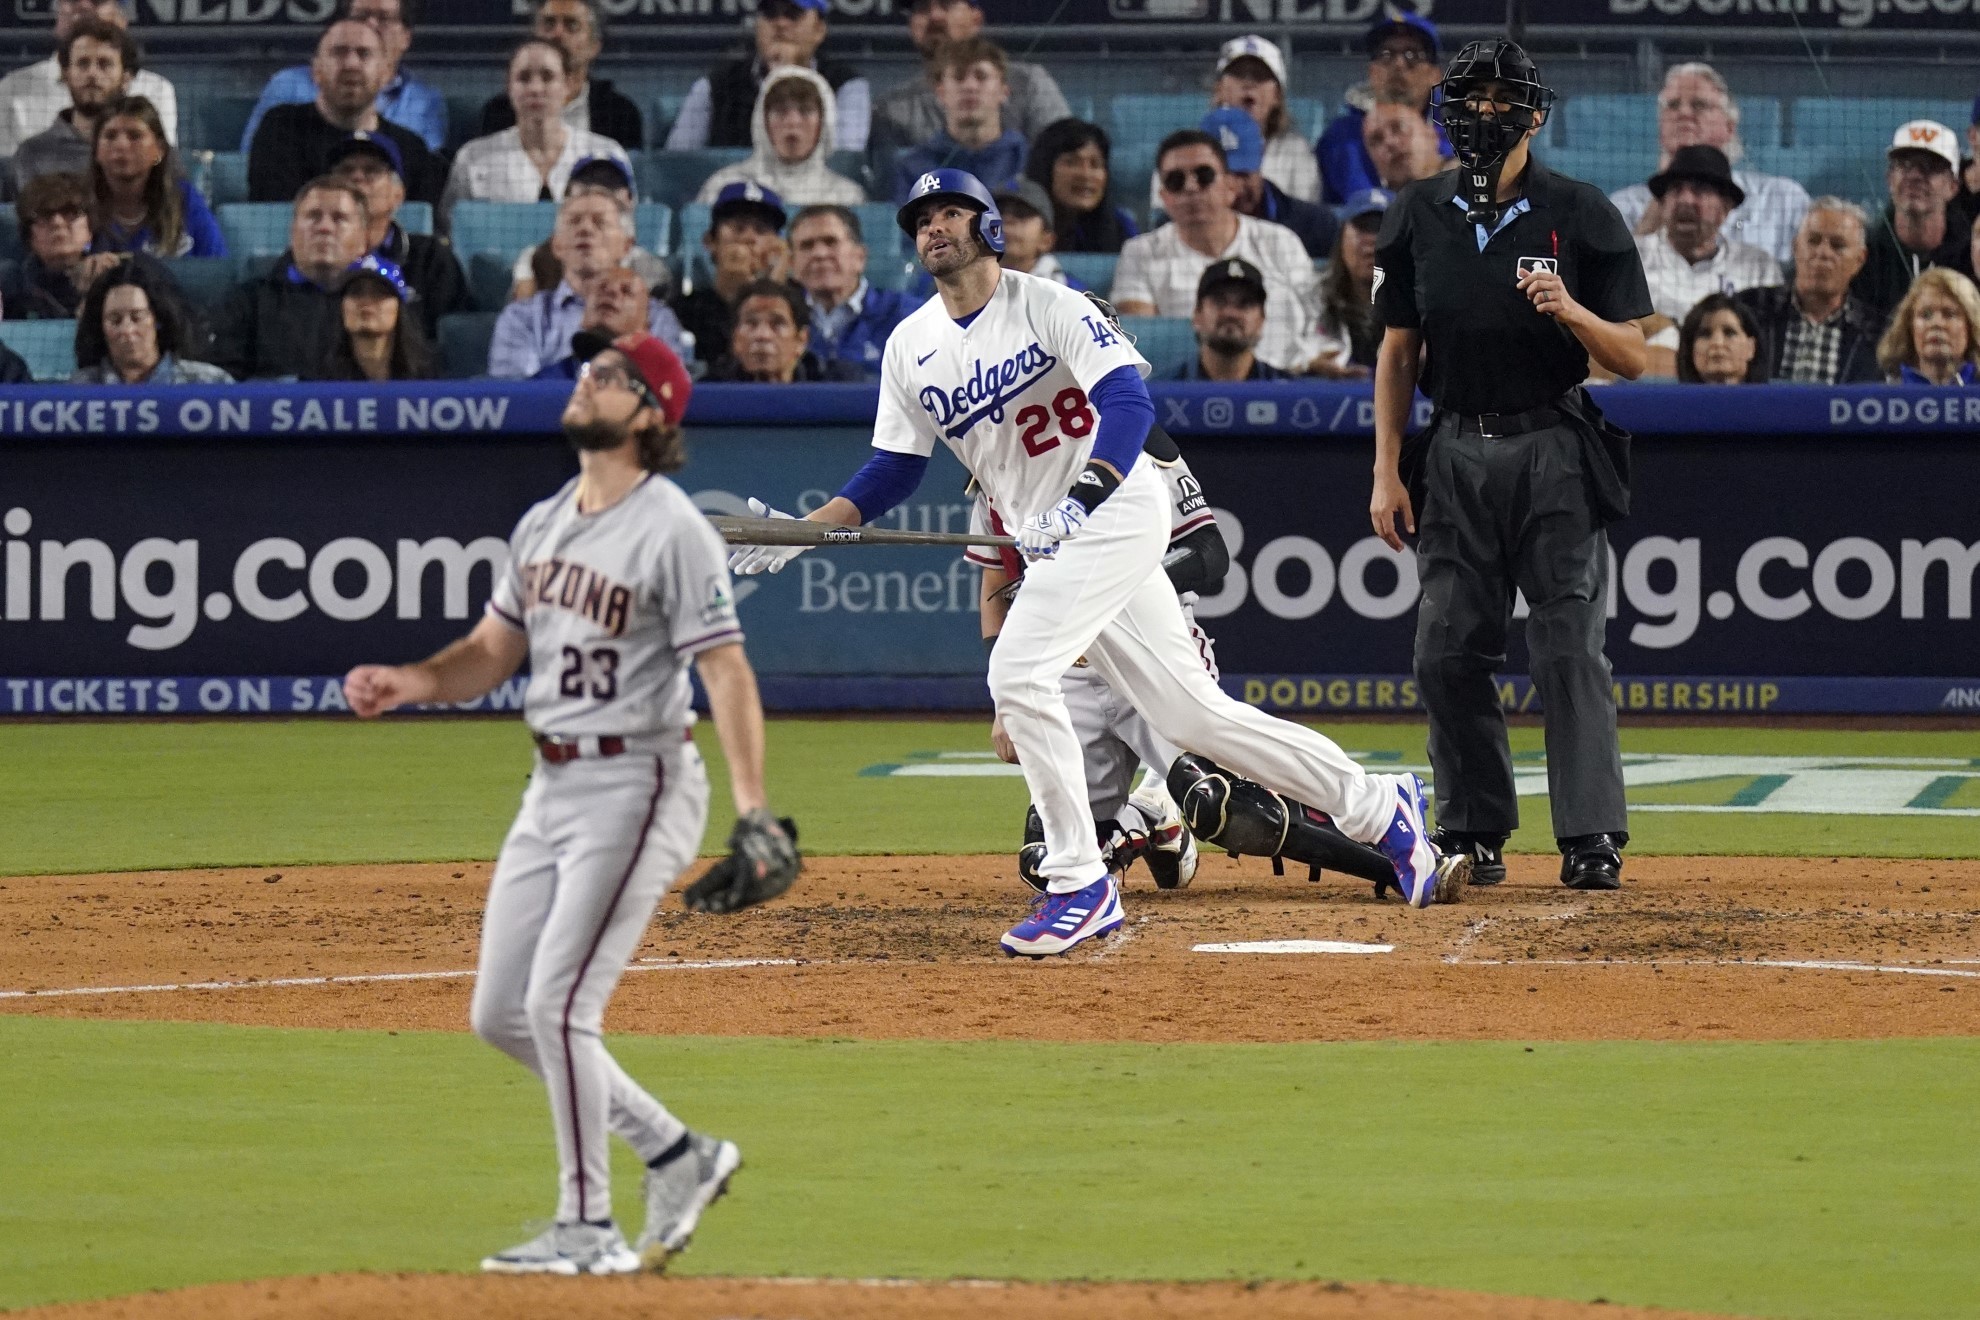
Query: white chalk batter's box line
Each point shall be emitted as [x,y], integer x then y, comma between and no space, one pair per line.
[380,978]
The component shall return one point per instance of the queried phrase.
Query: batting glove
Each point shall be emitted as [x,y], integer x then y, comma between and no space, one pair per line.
[1040,536]
[752,559]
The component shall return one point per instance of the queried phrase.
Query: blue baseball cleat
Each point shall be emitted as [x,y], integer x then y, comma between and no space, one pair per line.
[1424,875]
[1058,922]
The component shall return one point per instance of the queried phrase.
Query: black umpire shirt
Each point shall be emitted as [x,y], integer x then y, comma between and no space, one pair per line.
[1488,350]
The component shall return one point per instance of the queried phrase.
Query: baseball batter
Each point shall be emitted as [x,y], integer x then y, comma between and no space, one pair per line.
[1041,397]
[1113,737]
[614,585]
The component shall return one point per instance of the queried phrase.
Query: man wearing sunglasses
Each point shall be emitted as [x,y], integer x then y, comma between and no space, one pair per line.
[1039,394]
[1159,272]
[614,586]
[1402,66]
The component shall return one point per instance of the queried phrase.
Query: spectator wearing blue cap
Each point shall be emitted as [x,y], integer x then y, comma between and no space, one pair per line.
[1403,62]
[793,126]
[531,162]
[1251,76]
[1257,195]
[971,88]
[538,268]
[1350,336]
[403,99]
[718,108]
[909,113]
[292,143]
[379,340]
[591,105]
[744,244]
[370,163]
[591,241]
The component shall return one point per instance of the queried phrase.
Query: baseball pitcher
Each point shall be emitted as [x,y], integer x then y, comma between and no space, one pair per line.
[615,585]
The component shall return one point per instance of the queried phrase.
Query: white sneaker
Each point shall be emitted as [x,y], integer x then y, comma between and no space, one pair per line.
[1171,851]
[568,1249]
[679,1190]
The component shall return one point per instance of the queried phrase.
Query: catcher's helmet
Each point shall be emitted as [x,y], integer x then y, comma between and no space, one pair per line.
[955,185]
[1482,137]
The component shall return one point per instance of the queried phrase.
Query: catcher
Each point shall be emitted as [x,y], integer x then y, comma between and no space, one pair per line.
[615,585]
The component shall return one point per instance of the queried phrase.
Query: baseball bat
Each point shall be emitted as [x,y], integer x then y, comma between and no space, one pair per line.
[799,531]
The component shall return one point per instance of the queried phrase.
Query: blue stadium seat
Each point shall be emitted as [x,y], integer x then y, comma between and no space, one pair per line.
[10,234]
[464,115]
[506,227]
[490,277]
[48,346]
[1822,169]
[1154,115]
[1607,167]
[1760,121]
[661,122]
[206,280]
[1309,115]
[1607,121]
[1093,269]
[256,229]
[1166,341]
[464,338]
[1865,125]
[674,177]
[216,123]
[226,178]
[416,217]
[655,226]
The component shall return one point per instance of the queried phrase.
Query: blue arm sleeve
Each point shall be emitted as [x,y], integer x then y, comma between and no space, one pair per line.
[1126,413]
[888,478]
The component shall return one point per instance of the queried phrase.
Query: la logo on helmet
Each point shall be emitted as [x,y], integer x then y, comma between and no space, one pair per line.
[929,183]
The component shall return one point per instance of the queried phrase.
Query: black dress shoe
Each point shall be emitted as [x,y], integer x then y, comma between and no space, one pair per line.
[1487,851]
[1592,861]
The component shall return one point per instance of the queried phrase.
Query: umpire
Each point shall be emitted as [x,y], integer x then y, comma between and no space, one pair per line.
[1497,282]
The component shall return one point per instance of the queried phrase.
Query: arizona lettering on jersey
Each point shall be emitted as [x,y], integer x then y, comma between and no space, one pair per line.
[617,604]
[568,585]
[1007,392]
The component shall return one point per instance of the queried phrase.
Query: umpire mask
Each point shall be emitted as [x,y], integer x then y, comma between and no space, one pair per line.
[1491,97]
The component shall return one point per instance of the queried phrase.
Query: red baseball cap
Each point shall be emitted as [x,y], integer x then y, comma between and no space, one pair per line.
[657,365]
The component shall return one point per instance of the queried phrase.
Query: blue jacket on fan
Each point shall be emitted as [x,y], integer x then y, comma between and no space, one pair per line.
[856,330]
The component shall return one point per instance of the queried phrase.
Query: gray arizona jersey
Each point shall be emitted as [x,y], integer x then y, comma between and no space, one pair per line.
[616,604]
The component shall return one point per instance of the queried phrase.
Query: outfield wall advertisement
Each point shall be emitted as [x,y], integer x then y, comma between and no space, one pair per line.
[190,552]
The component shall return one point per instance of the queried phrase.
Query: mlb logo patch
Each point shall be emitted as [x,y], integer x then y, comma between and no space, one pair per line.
[1550,265]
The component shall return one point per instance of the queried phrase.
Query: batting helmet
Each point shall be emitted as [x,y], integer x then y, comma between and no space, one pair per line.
[955,186]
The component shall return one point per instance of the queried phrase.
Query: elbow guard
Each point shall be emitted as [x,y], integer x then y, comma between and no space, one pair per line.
[1198,562]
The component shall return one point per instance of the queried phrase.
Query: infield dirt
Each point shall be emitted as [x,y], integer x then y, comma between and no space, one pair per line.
[906,947]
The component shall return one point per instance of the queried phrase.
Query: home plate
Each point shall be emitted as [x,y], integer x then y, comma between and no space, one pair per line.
[1296,946]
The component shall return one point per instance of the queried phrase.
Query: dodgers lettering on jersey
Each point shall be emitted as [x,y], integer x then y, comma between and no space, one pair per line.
[1007,392]
[616,604]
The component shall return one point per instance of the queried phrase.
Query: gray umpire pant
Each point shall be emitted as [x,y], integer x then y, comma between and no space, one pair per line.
[1500,514]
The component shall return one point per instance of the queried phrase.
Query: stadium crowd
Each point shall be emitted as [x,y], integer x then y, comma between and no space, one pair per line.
[1247,256]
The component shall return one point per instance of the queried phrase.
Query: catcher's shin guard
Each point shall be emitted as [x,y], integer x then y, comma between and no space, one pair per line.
[1247,819]
[1118,848]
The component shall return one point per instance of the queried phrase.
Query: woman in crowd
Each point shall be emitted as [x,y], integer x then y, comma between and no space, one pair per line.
[532,161]
[1251,76]
[1350,333]
[1719,344]
[793,127]
[1934,335]
[141,199]
[378,341]
[1069,164]
[133,331]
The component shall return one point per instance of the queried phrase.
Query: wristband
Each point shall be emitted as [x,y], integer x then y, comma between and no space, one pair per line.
[1095,484]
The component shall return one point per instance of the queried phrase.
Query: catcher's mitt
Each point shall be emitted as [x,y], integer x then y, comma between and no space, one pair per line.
[762,862]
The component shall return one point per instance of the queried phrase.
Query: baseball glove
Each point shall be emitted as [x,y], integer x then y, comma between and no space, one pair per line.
[762,862]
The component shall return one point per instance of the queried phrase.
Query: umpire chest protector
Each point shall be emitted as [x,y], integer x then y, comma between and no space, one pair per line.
[1488,350]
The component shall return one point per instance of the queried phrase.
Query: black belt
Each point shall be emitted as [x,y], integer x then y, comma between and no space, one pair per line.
[1499,426]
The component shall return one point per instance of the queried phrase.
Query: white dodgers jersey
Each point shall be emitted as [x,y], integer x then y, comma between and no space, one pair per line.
[1188,510]
[616,604]
[1007,392]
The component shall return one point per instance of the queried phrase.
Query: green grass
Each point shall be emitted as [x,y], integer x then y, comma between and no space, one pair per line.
[1828,1179]
[98,797]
